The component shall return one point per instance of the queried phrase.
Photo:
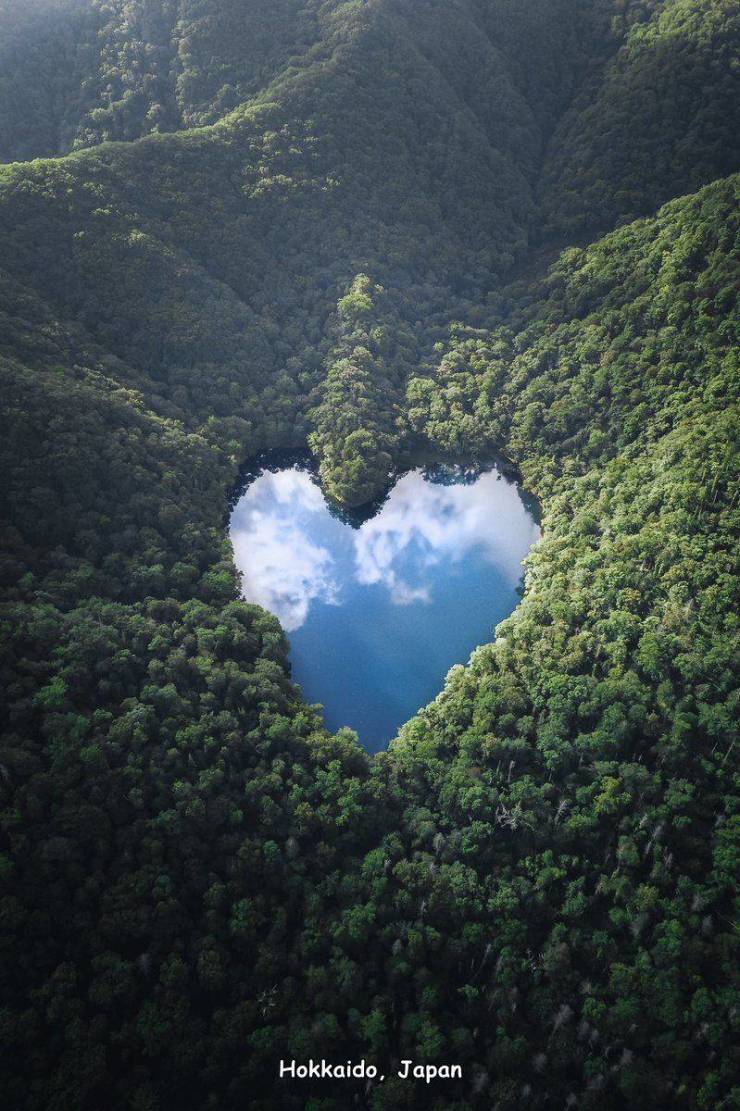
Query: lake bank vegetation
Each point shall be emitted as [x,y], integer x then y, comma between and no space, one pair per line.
[340,250]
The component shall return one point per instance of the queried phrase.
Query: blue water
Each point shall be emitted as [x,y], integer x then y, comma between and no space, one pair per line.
[378,610]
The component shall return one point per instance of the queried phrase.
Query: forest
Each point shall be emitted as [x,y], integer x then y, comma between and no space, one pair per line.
[368,228]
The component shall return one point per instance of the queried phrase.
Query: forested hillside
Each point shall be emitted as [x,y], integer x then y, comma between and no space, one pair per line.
[331,224]
[662,118]
[80,72]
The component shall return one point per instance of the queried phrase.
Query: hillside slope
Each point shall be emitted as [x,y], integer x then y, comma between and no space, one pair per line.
[99,70]
[661,119]
[80,72]
[537,879]
[180,280]
[550,842]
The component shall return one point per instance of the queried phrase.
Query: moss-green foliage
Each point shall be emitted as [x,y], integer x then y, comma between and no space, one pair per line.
[583,767]
[536,881]
[79,72]
[661,119]
[46,49]
[165,250]
[359,420]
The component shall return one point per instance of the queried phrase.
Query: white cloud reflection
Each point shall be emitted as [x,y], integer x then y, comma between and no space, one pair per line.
[282,568]
[423,524]
[281,529]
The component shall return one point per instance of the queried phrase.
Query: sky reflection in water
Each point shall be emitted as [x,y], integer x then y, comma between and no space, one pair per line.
[377,615]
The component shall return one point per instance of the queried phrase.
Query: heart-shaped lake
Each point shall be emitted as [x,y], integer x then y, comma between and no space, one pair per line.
[378,609]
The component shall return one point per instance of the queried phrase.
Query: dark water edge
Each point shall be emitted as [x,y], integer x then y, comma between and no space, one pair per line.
[435,466]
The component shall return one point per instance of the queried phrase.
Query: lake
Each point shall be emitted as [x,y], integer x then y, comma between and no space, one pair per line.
[378,606]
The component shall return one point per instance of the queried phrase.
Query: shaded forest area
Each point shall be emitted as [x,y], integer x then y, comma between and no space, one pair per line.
[248,225]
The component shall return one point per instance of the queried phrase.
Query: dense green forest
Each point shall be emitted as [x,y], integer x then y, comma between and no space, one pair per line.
[371,228]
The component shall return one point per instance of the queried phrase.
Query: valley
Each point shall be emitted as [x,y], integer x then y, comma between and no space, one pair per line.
[229,227]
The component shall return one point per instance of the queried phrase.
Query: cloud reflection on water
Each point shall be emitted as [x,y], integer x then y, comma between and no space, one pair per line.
[282,568]
[423,524]
[293,553]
